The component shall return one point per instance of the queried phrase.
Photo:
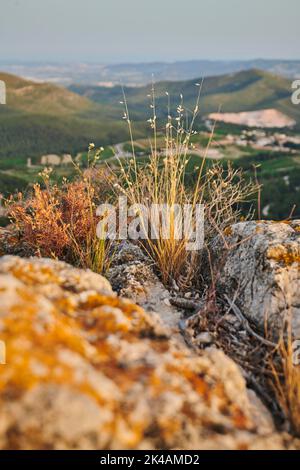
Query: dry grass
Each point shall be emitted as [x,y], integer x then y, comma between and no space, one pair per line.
[286,379]
[59,221]
[162,180]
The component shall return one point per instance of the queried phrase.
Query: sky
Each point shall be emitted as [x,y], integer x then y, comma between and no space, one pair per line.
[112,31]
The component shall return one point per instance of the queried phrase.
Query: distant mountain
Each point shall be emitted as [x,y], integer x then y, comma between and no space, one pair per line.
[249,90]
[140,74]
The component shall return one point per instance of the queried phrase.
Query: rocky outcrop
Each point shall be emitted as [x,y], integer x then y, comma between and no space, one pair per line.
[87,369]
[259,269]
[132,275]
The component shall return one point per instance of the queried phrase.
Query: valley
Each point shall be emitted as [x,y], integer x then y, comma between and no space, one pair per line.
[258,129]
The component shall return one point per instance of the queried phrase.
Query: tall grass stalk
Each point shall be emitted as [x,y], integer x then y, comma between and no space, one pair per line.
[286,378]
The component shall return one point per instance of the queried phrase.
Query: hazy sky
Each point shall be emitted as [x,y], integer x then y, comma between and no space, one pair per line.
[147,30]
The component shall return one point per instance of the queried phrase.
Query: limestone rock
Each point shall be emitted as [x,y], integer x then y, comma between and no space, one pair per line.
[132,275]
[89,370]
[262,271]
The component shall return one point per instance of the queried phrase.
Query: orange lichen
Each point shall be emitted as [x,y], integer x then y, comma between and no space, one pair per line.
[228,231]
[31,274]
[110,350]
[285,221]
[287,254]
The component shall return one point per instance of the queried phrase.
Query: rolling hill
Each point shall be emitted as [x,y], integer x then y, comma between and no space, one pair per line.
[42,98]
[42,118]
[249,90]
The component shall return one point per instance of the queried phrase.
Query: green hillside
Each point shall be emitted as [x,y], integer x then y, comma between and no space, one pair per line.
[42,98]
[243,91]
[43,118]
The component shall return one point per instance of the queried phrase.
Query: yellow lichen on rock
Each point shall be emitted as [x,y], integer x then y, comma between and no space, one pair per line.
[86,369]
[228,231]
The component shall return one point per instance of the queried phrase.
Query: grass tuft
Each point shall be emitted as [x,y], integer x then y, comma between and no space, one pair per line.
[164,178]
[286,378]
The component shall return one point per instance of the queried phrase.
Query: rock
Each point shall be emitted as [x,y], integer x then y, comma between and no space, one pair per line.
[10,243]
[261,415]
[261,270]
[89,370]
[43,273]
[132,275]
[58,429]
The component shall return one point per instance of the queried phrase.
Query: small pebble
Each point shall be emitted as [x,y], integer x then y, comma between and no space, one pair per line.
[188,295]
[231,319]
[164,295]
